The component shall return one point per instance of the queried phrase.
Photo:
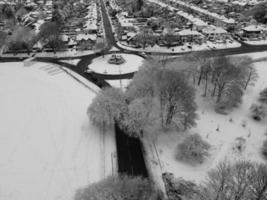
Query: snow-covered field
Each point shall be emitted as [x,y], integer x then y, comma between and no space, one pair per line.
[48,148]
[161,157]
[132,63]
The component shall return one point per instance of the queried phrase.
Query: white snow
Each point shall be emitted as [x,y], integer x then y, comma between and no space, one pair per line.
[48,148]
[121,83]
[72,61]
[132,63]
[222,141]
[258,42]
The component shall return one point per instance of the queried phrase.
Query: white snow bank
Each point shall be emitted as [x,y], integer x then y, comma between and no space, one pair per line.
[259,42]
[256,55]
[48,148]
[132,63]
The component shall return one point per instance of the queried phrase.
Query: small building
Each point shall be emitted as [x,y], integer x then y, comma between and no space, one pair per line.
[214,33]
[254,32]
[189,35]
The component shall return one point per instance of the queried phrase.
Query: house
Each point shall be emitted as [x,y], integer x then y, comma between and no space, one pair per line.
[188,35]
[214,33]
[254,32]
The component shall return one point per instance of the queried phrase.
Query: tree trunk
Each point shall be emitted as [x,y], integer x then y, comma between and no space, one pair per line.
[170,115]
[206,85]
[248,80]
[199,78]
[261,193]
[220,90]
[214,90]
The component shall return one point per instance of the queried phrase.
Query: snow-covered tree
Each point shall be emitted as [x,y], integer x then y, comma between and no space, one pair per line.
[118,188]
[231,96]
[140,117]
[176,98]
[252,76]
[107,107]
[170,88]
[259,112]
[230,77]
[143,84]
[193,149]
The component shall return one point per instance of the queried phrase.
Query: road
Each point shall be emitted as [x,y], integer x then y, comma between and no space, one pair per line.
[110,39]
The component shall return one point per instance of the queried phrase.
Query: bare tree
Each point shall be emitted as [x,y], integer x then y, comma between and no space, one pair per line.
[258,182]
[252,76]
[240,181]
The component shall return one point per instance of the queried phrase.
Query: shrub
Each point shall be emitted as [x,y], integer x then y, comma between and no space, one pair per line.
[178,188]
[258,112]
[116,188]
[264,149]
[192,150]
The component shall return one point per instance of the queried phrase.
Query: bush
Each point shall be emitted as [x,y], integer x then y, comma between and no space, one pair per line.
[178,188]
[192,150]
[258,112]
[264,149]
[116,188]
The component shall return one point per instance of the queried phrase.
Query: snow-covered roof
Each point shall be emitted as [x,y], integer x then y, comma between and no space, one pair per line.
[189,32]
[213,29]
[64,38]
[206,12]
[255,28]
[194,20]
[86,37]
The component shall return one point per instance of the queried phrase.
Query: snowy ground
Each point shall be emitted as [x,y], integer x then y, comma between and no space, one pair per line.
[260,42]
[161,157]
[123,83]
[100,65]
[181,49]
[72,61]
[48,148]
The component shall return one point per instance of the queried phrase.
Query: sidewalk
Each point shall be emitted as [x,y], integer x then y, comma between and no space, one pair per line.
[64,54]
[260,42]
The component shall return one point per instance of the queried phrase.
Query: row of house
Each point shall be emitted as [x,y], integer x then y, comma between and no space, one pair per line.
[219,20]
